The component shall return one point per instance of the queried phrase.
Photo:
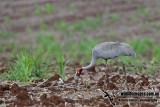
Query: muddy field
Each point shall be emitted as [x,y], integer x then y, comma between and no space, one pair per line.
[88,92]
[21,15]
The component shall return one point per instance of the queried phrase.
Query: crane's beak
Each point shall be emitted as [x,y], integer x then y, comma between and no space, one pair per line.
[77,75]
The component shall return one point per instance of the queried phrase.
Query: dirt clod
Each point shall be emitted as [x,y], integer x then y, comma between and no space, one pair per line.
[130,79]
[112,86]
[55,77]
[23,95]
[115,78]
[100,83]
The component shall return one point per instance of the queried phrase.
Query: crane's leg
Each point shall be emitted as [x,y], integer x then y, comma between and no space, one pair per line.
[106,80]
[124,71]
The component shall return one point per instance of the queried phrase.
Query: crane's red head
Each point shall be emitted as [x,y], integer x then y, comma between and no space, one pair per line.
[78,73]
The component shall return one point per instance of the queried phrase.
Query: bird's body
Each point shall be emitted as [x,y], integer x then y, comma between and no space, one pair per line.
[110,50]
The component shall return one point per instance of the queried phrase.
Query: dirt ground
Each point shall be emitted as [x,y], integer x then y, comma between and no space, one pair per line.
[88,92]
[21,15]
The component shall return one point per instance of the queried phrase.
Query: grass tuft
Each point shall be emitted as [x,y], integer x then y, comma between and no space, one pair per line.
[26,69]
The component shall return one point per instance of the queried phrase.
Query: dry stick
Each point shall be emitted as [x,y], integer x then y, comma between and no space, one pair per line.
[42,83]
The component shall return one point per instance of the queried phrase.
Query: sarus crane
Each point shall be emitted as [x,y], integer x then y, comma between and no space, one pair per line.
[108,50]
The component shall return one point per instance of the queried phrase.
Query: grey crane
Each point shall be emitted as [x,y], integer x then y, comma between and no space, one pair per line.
[108,50]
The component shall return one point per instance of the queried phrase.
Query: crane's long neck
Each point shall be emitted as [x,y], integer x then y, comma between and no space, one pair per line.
[91,64]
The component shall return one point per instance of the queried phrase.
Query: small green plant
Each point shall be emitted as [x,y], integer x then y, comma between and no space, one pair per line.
[142,11]
[48,8]
[37,11]
[114,18]
[43,26]
[146,13]
[142,45]
[7,20]
[99,20]
[90,23]
[156,52]
[110,33]
[63,26]
[61,65]
[132,18]
[71,6]
[28,30]
[55,26]
[6,35]
[26,69]
[78,26]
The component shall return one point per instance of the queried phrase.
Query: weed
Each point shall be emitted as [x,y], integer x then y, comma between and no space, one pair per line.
[110,33]
[156,52]
[61,65]
[55,26]
[37,11]
[26,69]
[6,35]
[71,6]
[63,26]
[132,18]
[7,20]
[92,23]
[142,11]
[78,26]
[28,30]
[48,8]
[113,18]
[142,45]
[43,26]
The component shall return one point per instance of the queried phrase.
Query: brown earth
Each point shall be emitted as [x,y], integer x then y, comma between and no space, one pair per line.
[88,91]
[71,94]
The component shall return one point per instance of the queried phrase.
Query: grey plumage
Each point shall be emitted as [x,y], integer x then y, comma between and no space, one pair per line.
[110,50]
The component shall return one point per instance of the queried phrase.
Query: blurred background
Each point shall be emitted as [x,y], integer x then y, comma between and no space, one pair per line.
[47,29]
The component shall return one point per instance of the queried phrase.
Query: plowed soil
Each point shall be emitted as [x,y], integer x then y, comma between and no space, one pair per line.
[88,92]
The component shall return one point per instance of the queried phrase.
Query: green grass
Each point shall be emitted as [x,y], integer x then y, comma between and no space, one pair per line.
[142,45]
[26,69]
[113,19]
[63,26]
[110,33]
[7,35]
[48,8]
[92,23]
[37,11]
[133,18]
[28,30]
[71,6]
[78,26]
[43,26]
[156,52]
[7,20]
[60,61]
